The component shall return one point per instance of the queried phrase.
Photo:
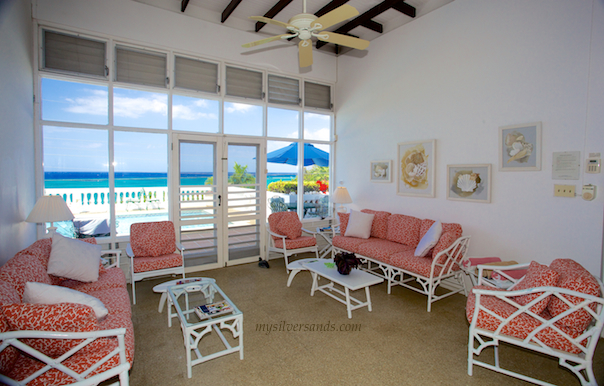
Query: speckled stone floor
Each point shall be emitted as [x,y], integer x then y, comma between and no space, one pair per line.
[314,343]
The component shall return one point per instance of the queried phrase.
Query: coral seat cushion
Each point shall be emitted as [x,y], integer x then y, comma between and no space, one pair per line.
[289,225]
[299,242]
[148,263]
[152,239]
[344,217]
[65,317]
[537,276]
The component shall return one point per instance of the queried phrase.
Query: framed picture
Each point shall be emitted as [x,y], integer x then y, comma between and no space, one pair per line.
[469,183]
[520,147]
[381,171]
[416,168]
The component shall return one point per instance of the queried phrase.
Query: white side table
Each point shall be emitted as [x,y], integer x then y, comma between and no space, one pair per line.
[327,234]
[163,289]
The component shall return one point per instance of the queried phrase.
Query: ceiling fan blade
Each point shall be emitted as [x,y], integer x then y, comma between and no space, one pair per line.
[267,40]
[343,12]
[342,40]
[271,21]
[305,52]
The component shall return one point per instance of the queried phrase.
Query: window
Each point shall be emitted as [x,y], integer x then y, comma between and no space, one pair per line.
[242,119]
[281,178]
[283,123]
[243,83]
[74,102]
[317,126]
[73,54]
[283,90]
[137,108]
[195,114]
[317,95]
[195,75]
[139,67]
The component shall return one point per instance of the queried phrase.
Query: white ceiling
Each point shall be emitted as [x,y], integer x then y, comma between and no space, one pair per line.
[211,11]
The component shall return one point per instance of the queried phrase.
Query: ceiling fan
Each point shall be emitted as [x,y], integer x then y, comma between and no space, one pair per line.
[304,26]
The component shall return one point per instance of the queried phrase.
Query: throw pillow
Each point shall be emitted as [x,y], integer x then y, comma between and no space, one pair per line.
[290,226]
[429,240]
[38,293]
[74,259]
[64,317]
[359,224]
[537,276]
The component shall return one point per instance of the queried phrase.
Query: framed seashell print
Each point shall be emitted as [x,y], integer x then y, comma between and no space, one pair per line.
[469,183]
[520,147]
[381,171]
[416,168]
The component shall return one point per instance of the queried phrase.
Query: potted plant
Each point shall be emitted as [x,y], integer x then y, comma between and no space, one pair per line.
[345,262]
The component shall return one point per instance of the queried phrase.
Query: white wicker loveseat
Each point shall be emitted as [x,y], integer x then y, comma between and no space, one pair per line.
[556,311]
[389,252]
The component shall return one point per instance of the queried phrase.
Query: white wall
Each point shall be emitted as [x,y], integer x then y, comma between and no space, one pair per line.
[457,75]
[17,183]
[147,24]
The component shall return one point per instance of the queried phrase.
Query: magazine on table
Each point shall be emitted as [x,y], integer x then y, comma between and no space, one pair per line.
[213,309]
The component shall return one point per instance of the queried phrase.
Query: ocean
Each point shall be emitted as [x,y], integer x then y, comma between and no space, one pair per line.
[87,180]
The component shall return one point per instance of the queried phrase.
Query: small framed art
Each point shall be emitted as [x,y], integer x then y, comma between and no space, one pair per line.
[520,147]
[381,171]
[416,168]
[469,183]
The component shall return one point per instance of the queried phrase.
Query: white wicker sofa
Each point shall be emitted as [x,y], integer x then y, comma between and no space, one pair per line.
[389,252]
[68,342]
[556,311]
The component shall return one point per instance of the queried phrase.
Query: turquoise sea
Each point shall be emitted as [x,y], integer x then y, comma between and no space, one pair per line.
[82,180]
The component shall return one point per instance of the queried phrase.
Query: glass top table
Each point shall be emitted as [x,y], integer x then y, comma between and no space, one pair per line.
[205,312]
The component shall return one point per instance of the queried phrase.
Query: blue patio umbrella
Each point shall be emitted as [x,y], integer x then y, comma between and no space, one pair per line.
[289,155]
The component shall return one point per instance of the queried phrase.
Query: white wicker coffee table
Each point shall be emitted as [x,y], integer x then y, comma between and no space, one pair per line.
[356,280]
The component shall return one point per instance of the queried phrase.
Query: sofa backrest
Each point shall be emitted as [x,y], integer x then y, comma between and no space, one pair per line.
[379,226]
[23,268]
[344,217]
[450,233]
[404,229]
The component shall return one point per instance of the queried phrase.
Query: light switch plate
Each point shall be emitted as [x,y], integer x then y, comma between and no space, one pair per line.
[564,190]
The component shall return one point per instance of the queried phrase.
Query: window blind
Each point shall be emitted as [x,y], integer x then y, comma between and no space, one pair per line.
[138,67]
[195,74]
[243,83]
[73,54]
[283,90]
[317,95]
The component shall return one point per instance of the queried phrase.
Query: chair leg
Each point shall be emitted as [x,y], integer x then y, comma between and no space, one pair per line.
[133,291]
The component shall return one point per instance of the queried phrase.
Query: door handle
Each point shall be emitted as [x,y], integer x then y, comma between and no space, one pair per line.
[219,200]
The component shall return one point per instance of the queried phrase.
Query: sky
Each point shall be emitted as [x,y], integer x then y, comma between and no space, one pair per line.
[86,149]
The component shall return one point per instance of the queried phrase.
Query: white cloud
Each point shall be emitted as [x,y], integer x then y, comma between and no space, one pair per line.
[320,134]
[137,107]
[238,108]
[322,117]
[186,113]
[95,104]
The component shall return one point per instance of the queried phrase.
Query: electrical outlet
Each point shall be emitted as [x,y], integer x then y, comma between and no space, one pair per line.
[564,190]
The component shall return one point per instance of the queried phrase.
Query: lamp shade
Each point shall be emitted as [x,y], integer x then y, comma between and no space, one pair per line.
[341,196]
[50,209]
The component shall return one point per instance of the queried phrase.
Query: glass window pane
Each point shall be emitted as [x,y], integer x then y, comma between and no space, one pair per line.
[316,181]
[141,178]
[195,114]
[281,178]
[74,102]
[283,123]
[242,119]
[197,163]
[135,108]
[76,167]
[317,126]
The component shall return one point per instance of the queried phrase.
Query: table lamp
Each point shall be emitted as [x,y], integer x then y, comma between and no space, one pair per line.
[341,196]
[50,209]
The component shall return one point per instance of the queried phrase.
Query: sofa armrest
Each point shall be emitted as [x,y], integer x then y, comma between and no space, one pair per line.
[14,338]
[450,258]
[114,256]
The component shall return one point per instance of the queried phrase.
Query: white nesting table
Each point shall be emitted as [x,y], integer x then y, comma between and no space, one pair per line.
[356,280]
[163,288]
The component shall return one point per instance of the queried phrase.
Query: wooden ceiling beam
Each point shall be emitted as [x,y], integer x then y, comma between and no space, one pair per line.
[183,5]
[365,17]
[405,8]
[273,12]
[228,10]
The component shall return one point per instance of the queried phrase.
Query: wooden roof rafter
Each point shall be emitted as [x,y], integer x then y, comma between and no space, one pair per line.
[273,12]
[228,10]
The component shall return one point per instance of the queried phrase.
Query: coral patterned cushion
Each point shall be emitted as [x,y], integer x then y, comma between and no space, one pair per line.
[379,228]
[381,249]
[299,242]
[289,225]
[403,229]
[152,238]
[409,262]
[350,244]
[450,233]
[144,264]
[64,317]
[8,356]
[537,276]
[344,217]
[520,326]
[21,269]
[573,277]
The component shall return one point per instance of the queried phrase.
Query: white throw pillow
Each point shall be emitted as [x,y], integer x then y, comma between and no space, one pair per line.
[74,259]
[429,240]
[359,224]
[39,293]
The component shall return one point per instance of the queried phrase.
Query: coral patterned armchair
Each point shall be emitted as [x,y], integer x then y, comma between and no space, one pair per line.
[285,236]
[153,252]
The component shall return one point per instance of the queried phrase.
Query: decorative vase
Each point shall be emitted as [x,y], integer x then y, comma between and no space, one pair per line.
[345,262]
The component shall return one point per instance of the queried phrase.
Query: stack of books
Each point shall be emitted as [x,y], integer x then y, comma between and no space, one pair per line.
[214,309]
